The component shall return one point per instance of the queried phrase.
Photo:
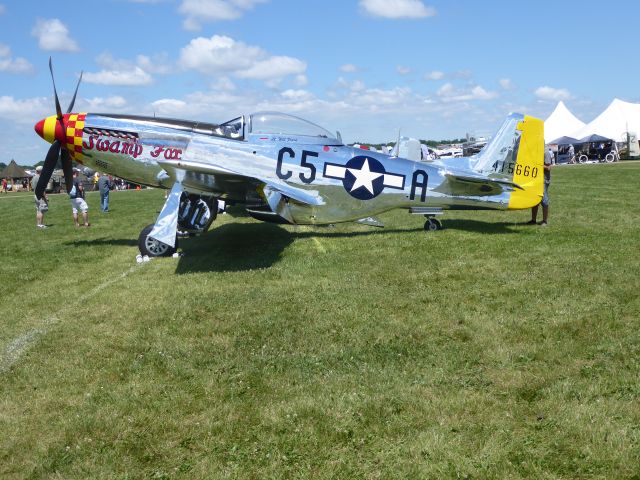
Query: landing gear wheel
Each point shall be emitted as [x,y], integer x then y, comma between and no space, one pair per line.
[152,247]
[432,224]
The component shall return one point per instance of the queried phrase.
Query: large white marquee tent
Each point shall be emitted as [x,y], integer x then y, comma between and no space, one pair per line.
[561,123]
[617,119]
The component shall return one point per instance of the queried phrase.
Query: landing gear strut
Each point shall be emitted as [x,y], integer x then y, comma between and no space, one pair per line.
[182,215]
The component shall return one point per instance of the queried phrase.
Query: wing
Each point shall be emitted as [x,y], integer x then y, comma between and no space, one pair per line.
[220,176]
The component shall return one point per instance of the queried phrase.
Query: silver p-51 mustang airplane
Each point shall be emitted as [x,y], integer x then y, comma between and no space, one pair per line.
[285,169]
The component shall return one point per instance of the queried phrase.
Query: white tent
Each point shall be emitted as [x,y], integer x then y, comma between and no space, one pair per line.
[618,118]
[561,123]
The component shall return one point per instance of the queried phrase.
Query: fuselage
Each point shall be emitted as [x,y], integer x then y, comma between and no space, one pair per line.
[350,183]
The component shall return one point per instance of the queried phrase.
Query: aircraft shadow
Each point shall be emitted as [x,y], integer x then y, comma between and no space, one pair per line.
[122,242]
[244,246]
[234,247]
[479,226]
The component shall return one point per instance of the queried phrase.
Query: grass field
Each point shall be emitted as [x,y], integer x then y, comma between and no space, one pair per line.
[490,349]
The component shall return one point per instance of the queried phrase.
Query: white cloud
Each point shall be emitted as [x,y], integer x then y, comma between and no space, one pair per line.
[274,68]
[216,106]
[550,93]
[169,106]
[397,9]
[506,84]
[225,84]
[224,55]
[435,75]
[448,93]
[301,80]
[109,103]
[157,64]
[219,54]
[134,77]
[403,70]
[53,35]
[297,95]
[348,68]
[24,111]
[202,11]
[359,111]
[120,72]
[13,65]
[358,86]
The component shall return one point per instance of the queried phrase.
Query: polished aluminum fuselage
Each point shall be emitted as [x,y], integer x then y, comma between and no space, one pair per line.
[343,183]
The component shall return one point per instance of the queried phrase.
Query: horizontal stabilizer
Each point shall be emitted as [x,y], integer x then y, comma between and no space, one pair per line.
[474,186]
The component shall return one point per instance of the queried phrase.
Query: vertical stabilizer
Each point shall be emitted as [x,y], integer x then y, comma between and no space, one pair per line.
[516,154]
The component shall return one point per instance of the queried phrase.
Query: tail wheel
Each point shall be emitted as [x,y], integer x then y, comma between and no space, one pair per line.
[152,247]
[432,224]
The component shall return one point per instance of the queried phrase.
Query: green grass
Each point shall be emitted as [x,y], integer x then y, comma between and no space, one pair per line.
[487,350]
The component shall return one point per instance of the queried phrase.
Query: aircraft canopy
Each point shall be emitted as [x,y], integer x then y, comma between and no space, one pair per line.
[275,123]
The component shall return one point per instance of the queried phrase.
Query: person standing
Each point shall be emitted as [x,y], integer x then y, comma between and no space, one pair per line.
[78,204]
[42,204]
[4,185]
[104,186]
[572,154]
[548,161]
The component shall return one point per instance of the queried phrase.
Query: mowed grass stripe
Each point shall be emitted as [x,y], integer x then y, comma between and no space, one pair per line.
[489,349]
[19,345]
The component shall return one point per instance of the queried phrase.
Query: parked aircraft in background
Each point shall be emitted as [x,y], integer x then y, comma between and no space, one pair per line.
[284,169]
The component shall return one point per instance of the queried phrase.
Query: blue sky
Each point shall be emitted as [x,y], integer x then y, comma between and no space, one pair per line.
[434,69]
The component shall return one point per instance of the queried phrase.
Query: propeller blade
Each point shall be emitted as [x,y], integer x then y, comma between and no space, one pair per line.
[55,93]
[47,169]
[67,168]
[73,100]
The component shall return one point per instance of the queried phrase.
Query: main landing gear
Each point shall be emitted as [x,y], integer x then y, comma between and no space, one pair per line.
[195,214]
[154,248]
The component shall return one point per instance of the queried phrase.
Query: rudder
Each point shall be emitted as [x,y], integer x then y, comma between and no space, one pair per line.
[528,171]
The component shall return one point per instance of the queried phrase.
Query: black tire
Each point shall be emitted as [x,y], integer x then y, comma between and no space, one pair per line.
[154,248]
[431,225]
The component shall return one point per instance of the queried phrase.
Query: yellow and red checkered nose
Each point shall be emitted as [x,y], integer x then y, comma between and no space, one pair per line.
[50,129]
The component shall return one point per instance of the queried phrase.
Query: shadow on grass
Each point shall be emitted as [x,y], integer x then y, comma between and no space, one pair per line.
[234,247]
[121,242]
[480,227]
[246,246]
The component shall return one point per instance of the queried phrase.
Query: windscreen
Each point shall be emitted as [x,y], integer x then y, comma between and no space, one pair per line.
[272,123]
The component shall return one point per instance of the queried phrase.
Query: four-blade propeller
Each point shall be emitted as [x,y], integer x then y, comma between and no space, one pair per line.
[56,151]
